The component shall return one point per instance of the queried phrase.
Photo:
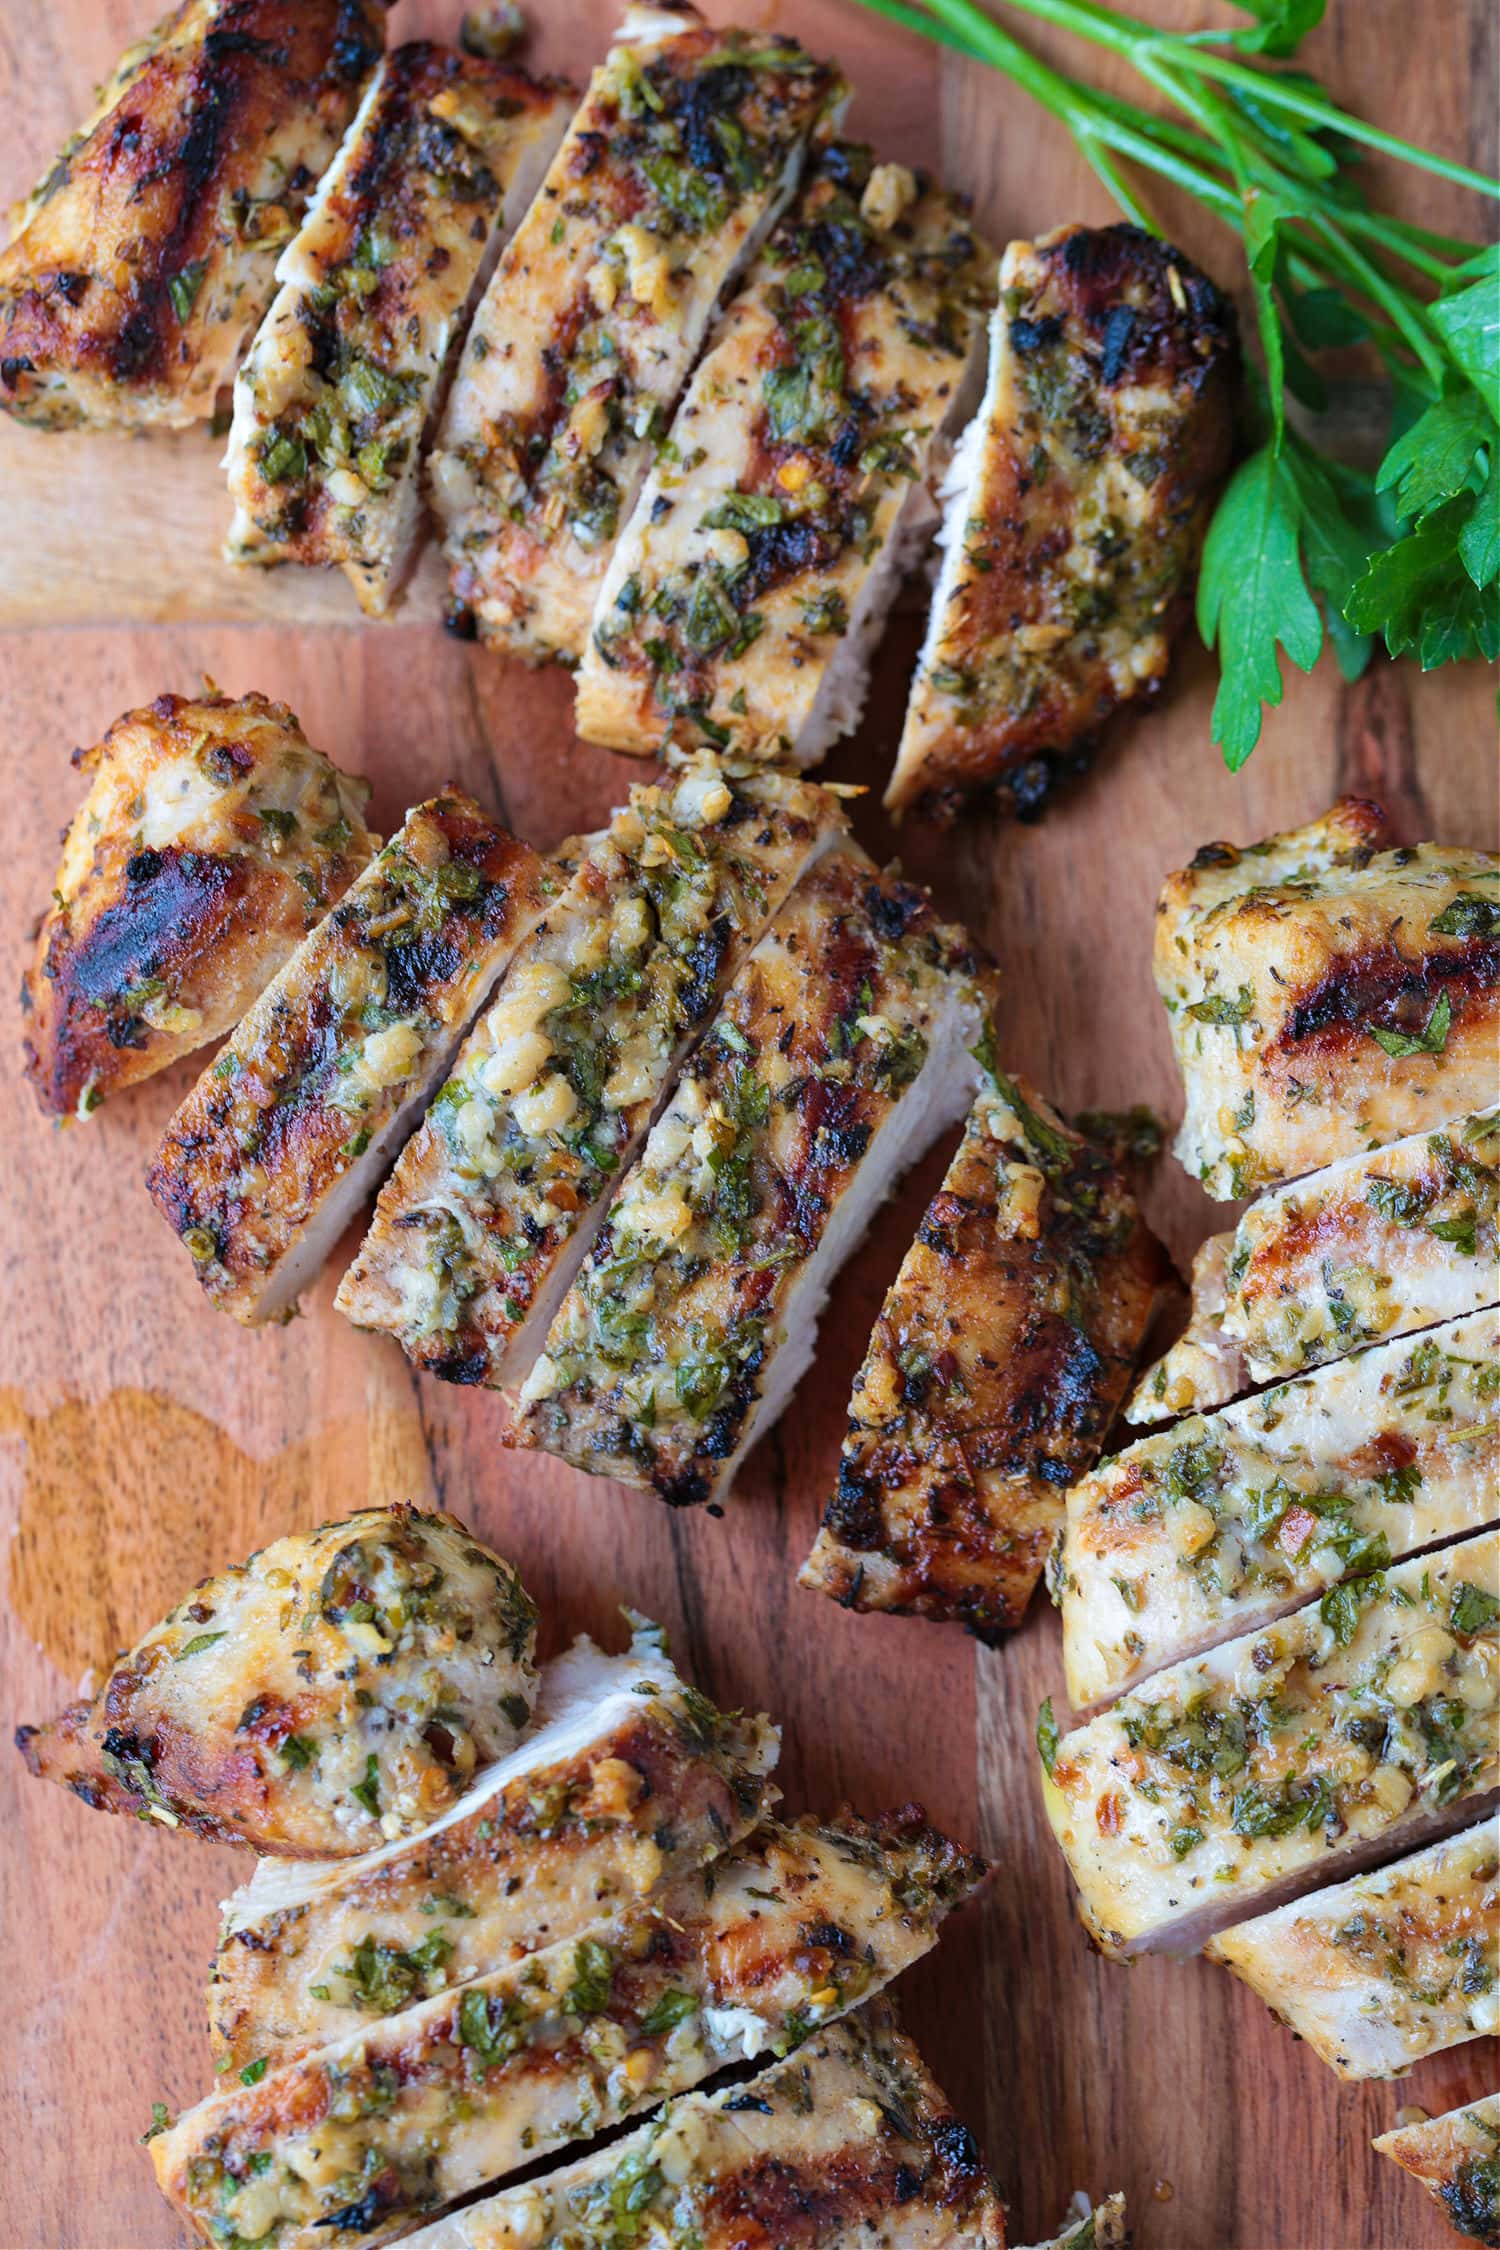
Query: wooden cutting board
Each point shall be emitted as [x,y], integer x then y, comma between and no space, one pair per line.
[144,1441]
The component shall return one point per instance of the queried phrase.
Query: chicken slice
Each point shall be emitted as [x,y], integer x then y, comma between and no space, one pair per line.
[996,1366]
[685,152]
[1374,1246]
[1203,1368]
[744,602]
[846,2141]
[1228,1520]
[1364,1721]
[1379,1972]
[627,1781]
[1457,2160]
[212,838]
[1103,2228]
[282,1138]
[336,1690]
[791,1930]
[347,374]
[1327,994]
[842,1049]
[147,255]
[1076,508]
[489,1213]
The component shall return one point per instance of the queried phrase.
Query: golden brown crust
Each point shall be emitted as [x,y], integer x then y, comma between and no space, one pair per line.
[149,250]
[335,1690]
[1107,434]
[1327,994]
[212,838]
[1001,1353]
[1457,2160]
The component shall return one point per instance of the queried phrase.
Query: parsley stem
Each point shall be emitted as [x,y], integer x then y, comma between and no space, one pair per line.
[1133,40]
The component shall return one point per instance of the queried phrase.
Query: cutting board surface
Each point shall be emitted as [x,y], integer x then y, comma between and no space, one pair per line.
[143,1441]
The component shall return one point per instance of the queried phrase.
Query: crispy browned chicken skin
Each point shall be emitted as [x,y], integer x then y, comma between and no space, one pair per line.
[147,254]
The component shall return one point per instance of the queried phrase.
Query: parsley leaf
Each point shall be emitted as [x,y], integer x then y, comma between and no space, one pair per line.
[1430,1040]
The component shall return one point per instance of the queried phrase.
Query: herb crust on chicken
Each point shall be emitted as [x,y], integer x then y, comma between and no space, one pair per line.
[335,1691]
[995,1368]
[146,256]
[1076,507]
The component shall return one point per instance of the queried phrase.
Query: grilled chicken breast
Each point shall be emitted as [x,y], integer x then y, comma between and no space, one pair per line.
[790,1931]
[744,602]
[334,1691]
[684,153]
[1228,1520]
[845,2141]
[1355,1724]
[1457,2160]
[485,1220]
[1377,1973]
[212,838]
[996,1366]
[1375,1246]
[146,256]
[842,1049]
[1103,2228]
[1076,508]
[281,1139]
[1327,994]
[628,1780]
[347,372]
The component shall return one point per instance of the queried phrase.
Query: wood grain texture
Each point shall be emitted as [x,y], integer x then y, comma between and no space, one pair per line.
[143,1441]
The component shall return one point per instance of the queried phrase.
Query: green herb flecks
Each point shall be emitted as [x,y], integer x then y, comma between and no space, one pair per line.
[1302,547]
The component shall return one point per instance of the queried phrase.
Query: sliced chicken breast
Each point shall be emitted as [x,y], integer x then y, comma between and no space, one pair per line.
[337,1690]
[283,1137]
[1000,1356]
[744,602]
[842,1049]
[1076,508]
[1327,994]
[845,2141]
[1204,1367]
[1228,1520]
[1457,2160]
[147,255]
[212,839]
[488,1215]
[628,1780]
[348,371]
[1379,1972]
[787,1933]
[1364,1721]
[684,154]
[1375,1246]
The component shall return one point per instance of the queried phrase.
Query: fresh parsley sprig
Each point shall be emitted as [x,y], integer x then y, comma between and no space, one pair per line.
[1302,545]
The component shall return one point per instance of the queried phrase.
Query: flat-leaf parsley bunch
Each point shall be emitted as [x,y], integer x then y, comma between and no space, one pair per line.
[1302,543]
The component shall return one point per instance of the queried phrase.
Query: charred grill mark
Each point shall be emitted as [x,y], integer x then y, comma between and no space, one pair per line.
[1150,333]
[1394,989]
[175,907]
